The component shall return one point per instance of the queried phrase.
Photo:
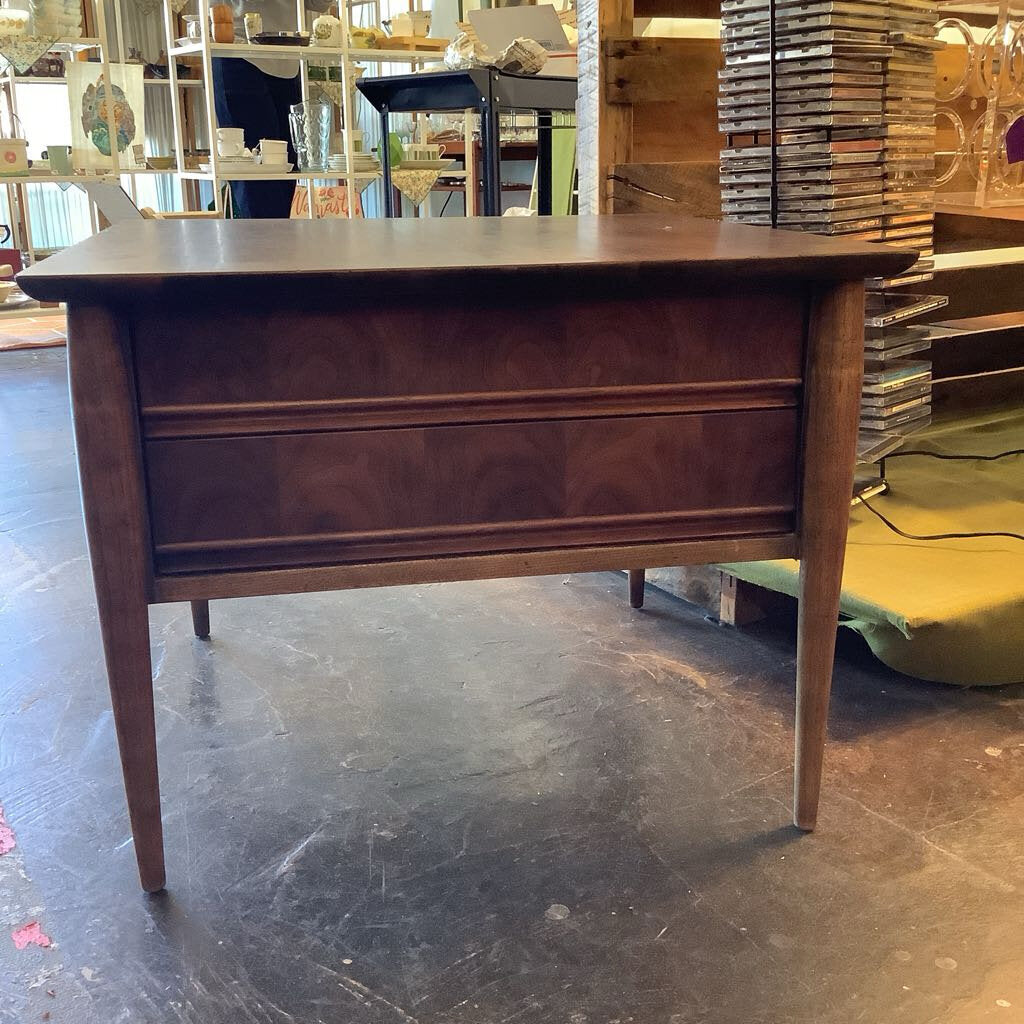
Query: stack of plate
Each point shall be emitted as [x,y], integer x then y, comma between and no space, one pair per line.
[854,156]
[362,163]
[229,165]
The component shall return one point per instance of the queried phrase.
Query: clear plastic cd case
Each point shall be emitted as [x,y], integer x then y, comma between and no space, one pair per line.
[833,131]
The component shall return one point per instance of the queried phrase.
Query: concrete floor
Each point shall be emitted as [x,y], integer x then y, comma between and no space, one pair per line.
[486,803]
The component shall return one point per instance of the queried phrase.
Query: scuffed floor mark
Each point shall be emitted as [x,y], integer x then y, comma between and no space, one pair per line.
[30,935]
[7,840]
[659,667]
[296,852]
[367,996]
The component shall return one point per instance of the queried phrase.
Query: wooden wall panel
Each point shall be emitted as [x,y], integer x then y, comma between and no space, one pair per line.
[664,132]
[641,100]
[662,70]
[667,188]
[677,9]
[672,87]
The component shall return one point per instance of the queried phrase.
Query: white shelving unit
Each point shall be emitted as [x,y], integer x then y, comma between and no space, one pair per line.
[17,187]
[100,43]
[108,44]
[343,57]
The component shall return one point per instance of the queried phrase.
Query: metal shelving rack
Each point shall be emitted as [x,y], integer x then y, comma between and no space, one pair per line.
[107,45]
[16,187]
[343,56]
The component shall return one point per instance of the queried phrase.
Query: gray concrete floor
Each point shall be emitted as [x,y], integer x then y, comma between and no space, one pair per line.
[485,803]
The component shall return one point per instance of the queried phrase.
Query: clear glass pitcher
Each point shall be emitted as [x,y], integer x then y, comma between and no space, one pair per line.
[310,125]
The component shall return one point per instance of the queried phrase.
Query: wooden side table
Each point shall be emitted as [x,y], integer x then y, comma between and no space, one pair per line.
[267,407]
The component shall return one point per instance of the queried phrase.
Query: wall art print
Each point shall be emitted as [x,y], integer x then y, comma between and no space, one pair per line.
[105,113]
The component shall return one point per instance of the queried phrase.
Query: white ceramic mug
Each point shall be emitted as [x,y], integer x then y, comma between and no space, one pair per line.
[273,151]
[230,141]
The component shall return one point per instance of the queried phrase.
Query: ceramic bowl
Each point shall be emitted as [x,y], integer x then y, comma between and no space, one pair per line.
[160,163]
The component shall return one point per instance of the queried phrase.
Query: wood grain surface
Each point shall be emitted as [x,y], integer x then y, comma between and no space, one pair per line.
[284,407]
[833,382]
[689,188]
[494,355]
[352,496]
[113,499]
[131,263]
[313,578]
[663,71]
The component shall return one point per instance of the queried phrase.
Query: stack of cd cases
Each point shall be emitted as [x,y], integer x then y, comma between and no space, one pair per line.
[828,107]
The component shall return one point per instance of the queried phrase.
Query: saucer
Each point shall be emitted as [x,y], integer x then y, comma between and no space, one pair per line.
[250,168]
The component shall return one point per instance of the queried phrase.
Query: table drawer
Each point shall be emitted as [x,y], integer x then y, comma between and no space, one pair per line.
[196,378]
[368,495]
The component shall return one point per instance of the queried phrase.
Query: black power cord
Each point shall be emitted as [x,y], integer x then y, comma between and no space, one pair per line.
[952,458]
[955,458]
[935,536]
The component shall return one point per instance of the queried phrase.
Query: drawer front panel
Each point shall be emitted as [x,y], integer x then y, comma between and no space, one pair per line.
[191,369]
[367,495]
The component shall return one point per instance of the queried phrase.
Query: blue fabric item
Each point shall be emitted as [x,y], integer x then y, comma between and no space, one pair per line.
[247,98]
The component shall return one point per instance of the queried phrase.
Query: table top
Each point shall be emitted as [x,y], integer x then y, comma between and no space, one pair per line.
[457,90]
[131,260]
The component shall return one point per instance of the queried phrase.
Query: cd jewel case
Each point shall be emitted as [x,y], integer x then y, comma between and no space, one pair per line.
[843,145]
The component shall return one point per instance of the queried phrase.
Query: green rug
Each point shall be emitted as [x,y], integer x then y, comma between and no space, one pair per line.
[953,610]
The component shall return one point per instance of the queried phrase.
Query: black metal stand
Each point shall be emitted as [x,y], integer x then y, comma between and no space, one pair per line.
[544,183]
[490,146]
[490,93]
[385,161]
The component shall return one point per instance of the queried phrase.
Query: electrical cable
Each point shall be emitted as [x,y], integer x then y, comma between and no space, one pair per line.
[935,536]
[952,458]
[956,458]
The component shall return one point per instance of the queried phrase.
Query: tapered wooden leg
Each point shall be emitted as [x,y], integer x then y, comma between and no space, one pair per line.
[201,619]
[125,626]
[114,503]
[636,587]
[832,398]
